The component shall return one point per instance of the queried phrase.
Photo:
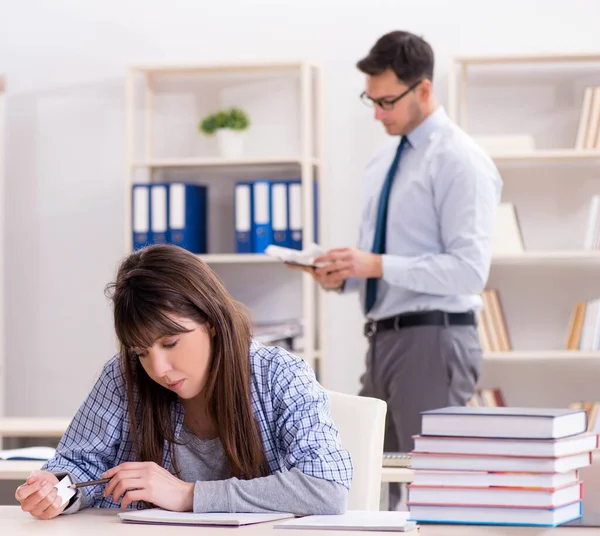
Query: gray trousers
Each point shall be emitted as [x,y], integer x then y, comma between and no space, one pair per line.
[416,369]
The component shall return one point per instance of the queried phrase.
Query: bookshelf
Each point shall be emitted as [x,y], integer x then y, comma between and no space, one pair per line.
[284,100]
[550,179]
[2,201]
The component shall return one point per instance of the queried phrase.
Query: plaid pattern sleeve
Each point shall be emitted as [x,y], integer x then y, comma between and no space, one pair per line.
[94,441]
[303,423]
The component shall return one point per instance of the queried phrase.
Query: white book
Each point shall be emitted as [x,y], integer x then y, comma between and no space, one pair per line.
[496,516]
[153,516]
[507,447]
[28,453]
[365,520]
[513,464]
[508,497]
[294,256]
[507,237]
[483,479]
[504,422]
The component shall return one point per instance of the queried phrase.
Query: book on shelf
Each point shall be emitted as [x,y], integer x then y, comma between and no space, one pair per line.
[584,326]
[507,238]
[592,231]
[593,413]
[588,130]
[285,333]
[487,397]
[491,325]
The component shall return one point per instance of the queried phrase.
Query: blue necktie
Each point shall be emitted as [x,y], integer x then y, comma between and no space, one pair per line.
[381,224]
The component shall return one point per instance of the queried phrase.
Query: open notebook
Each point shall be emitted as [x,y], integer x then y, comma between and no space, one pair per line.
[154,516]
[364,520]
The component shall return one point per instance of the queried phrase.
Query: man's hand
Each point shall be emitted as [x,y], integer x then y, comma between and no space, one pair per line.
[147,481]
[342,263]
[327,281]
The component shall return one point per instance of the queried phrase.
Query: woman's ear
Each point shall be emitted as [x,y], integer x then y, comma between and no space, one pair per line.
[212,332]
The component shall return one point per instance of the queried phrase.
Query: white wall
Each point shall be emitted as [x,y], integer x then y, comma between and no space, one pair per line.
[65,61]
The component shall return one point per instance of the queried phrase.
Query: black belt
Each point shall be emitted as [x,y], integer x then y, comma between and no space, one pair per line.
[425,318]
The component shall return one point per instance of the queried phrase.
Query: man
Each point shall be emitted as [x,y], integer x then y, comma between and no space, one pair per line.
[424,248]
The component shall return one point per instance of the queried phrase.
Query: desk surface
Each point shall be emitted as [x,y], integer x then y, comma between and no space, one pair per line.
[33,427]
[94,522]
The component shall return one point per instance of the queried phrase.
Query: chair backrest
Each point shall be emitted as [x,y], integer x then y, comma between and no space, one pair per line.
[361,423]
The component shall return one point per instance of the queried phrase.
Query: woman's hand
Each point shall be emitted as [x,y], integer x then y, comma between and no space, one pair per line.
[39,497]
[147,481]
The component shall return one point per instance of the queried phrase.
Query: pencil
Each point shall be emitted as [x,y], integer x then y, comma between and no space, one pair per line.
[89,483]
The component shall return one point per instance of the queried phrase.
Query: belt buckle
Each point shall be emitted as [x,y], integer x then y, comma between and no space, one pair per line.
[370,328]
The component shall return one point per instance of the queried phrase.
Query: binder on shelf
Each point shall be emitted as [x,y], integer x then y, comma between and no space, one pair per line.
[140,215]
[188,216]
[295,213]
[279,215]
[243,217]
[262,229]
[159,213]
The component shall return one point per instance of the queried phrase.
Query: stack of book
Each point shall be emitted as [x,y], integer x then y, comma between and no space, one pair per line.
[500,466]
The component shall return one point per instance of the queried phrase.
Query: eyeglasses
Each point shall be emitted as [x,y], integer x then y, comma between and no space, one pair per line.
[386,104]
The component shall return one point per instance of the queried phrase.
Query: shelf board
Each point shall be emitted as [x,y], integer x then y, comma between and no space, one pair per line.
[530,58]
[546,155]
[238,258]
[542,355]
[548,256]
[222,162]
[211,68]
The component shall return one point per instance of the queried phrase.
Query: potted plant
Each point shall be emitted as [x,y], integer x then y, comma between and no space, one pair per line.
[230,126]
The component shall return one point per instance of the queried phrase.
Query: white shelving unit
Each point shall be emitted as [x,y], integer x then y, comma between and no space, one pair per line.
[2,275]
[285,106]
[550,186]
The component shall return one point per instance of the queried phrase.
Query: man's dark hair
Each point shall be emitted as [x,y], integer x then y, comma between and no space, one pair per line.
[408,55]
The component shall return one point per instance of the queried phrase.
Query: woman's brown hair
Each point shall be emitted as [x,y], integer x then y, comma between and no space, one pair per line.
[162,280]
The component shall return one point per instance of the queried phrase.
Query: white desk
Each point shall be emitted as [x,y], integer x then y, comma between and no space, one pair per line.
[93,522]
[33,427]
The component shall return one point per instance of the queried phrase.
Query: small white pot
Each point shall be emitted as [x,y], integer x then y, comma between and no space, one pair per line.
[230,142]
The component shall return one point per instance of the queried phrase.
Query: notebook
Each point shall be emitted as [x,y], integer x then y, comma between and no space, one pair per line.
[28,453]
[294,256]
[388,521]
[154,516]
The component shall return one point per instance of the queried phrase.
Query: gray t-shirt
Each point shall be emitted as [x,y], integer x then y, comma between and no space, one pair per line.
[205,462]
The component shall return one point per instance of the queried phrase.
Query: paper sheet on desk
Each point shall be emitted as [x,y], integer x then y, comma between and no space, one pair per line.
[294,256]
[363,520]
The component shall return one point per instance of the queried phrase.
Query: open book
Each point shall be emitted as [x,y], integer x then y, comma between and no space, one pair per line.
[295,256]
[159,516]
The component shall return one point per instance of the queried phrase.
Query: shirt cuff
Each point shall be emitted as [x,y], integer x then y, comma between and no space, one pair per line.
[211,496]
[350,285]
[395,270]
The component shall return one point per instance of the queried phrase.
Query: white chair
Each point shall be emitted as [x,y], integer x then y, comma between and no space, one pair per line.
[361,423]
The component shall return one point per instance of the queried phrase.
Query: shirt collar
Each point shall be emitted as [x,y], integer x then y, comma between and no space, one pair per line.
[432,122]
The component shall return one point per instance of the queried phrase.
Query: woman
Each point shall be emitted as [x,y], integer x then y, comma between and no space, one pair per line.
[193,415]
